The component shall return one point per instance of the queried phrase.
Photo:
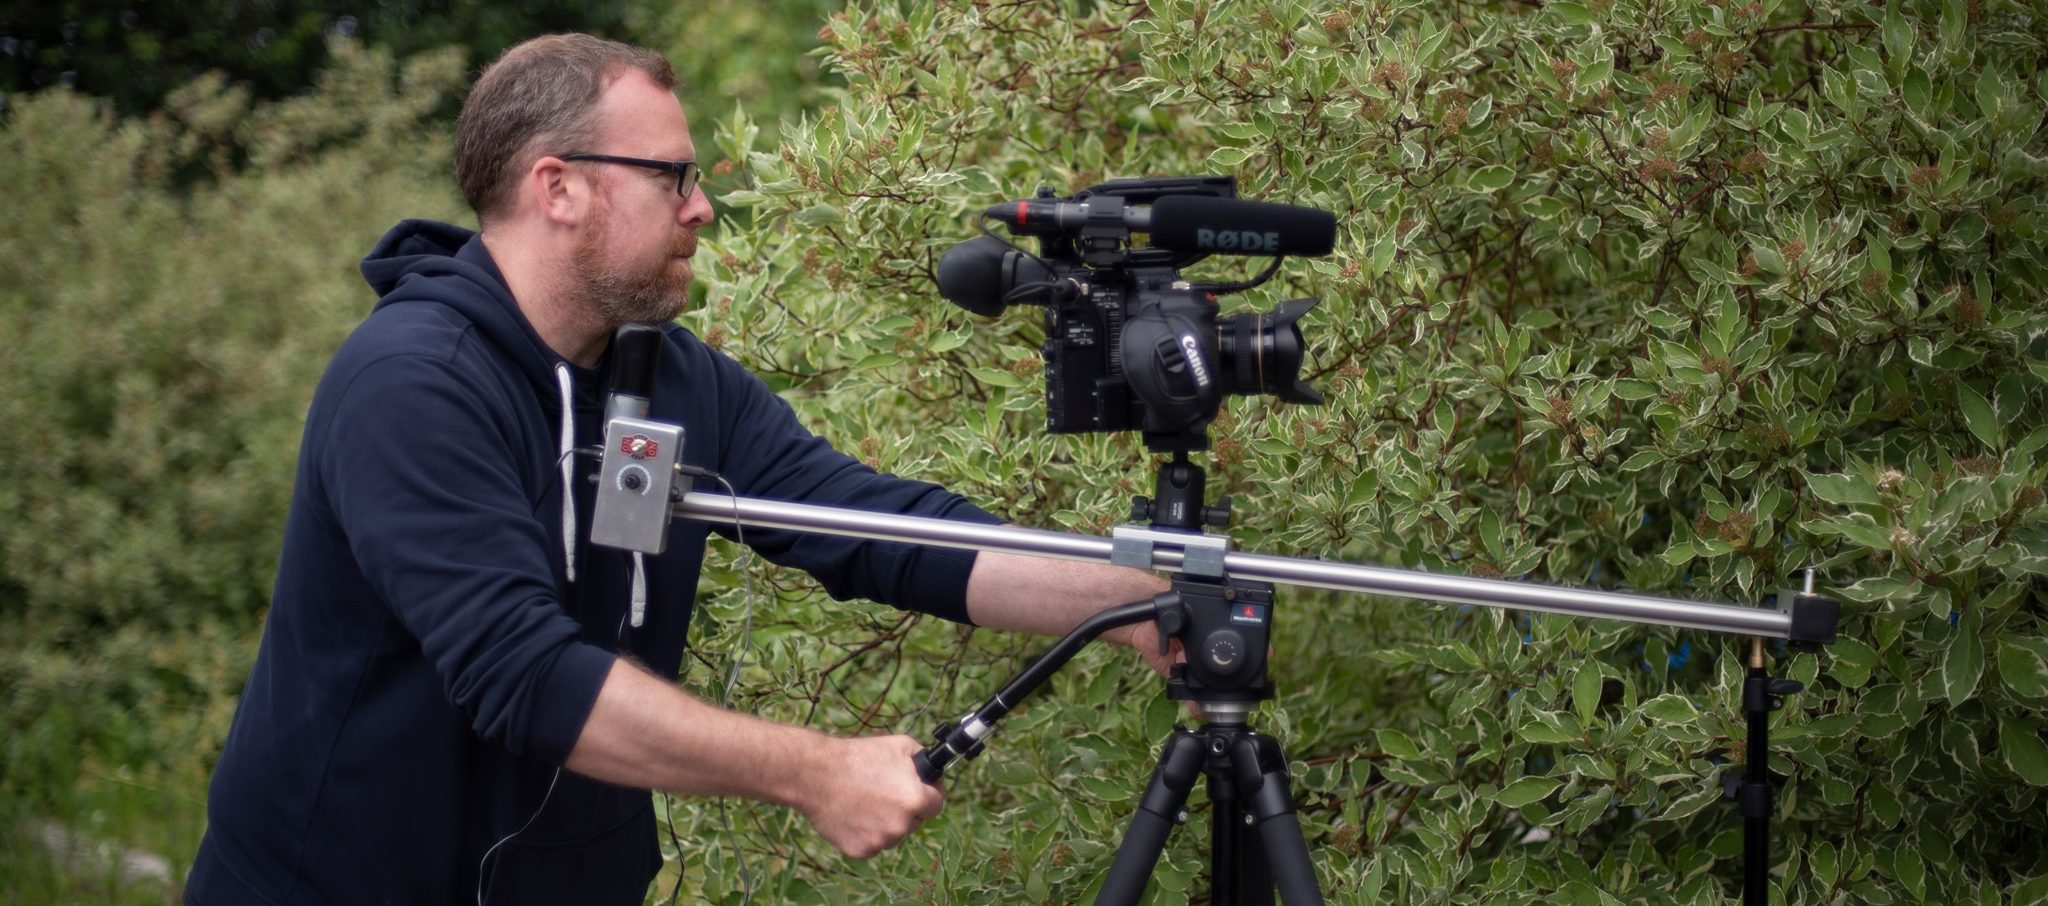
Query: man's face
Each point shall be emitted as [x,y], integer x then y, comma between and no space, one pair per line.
[629,279]
[633,251]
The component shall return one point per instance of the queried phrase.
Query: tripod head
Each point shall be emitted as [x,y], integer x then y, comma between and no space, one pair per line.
[1224,623]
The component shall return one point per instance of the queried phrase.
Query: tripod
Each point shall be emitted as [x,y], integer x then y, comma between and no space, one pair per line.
[1223,623]
[1255,840]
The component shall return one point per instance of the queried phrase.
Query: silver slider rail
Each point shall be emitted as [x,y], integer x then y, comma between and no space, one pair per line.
[1400,583]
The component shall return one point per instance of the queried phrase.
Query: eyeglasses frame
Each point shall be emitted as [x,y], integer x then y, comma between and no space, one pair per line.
[687,172]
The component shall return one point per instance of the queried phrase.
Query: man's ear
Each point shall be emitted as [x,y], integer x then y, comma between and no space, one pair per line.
[562,193]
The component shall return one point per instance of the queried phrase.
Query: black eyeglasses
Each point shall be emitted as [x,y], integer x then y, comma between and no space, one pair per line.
[685,170]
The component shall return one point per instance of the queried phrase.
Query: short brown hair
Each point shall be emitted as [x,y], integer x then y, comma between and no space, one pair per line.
[537,98]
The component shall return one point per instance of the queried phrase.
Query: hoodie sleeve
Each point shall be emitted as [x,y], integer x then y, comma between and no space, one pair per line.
[768,453]
[426,486]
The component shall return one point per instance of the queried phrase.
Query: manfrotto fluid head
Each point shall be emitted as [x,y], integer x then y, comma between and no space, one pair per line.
[1129,343]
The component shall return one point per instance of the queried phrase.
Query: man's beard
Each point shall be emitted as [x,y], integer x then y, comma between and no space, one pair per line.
[626,292]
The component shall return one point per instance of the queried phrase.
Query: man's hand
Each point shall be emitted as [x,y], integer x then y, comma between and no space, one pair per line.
[1145,638]
[870,796]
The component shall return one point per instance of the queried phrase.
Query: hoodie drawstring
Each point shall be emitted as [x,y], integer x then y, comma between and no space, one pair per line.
[639,590]
[568,469]
[568,445]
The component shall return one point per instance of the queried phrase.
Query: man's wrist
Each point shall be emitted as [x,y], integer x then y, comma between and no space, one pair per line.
[807,770]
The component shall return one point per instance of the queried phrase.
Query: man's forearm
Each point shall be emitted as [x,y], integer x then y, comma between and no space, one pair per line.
[861,794]
[644,732]
[1051,597]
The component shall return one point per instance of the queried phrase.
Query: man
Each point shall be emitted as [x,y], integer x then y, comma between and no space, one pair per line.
[451,701]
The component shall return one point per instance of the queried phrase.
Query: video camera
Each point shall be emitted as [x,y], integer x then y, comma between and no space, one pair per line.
[1129,343]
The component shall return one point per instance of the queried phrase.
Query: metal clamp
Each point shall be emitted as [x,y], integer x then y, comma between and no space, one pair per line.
[1202,555]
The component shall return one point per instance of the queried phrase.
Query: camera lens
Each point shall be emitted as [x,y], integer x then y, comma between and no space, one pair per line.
[1264,352]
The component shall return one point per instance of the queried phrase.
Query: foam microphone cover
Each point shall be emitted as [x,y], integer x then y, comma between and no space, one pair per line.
[635,361]
[1203,223]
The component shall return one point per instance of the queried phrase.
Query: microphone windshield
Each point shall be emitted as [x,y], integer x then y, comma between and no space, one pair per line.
[1226,226]
[635,362]
[636,357]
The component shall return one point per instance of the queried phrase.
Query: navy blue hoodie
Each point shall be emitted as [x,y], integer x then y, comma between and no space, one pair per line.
[434,644]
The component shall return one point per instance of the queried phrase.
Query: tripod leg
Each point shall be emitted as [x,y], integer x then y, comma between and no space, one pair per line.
[1254,879]
[1226,823]
[1262,780]
[1158,811]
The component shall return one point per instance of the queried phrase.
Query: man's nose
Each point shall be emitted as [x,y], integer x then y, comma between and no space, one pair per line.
[696,211]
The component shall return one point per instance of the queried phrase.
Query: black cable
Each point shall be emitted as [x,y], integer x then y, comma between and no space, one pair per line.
[1056,290]
[1224,289]
[732,675]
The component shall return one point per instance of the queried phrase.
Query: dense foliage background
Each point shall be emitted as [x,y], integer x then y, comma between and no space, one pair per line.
[135,53]
[1667,296]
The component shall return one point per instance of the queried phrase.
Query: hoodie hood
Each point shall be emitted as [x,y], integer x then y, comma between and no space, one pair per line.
[428,261]
[425,260]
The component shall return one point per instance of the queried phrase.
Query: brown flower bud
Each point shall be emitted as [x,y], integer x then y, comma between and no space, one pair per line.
[1980,466]
[1968,311]
[1728,62]
[1454,118]
[1560,409]
[1736,529]
[1226,451]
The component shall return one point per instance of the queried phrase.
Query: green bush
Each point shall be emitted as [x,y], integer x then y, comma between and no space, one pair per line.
[138,56]
[162,344]
[1668,297]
